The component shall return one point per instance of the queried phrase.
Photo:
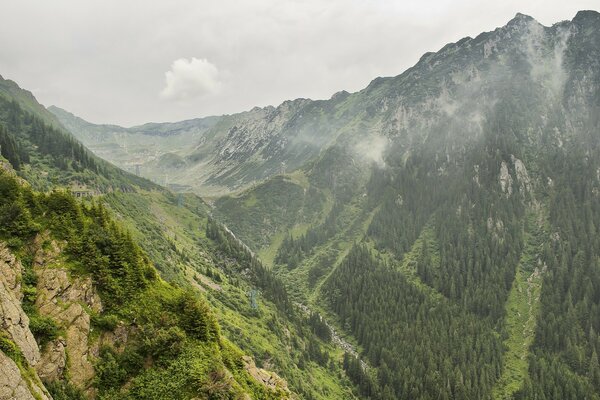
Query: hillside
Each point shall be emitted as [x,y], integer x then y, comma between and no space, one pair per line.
[94,318]
[432,236]
[456,221]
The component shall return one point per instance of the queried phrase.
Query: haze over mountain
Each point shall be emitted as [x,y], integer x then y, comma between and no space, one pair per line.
[454,86]
[432,236]
[454,218]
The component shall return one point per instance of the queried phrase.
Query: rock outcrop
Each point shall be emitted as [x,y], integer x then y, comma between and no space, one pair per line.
[13,319]
[266,378]
[53,361]
[14,323]
[13,386]
[63,298]
[505,179]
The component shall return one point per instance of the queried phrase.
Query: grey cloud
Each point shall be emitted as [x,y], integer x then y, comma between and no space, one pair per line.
[105,60]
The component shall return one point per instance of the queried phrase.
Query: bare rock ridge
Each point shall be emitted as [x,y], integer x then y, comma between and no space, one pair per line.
[13,319]
[14,386]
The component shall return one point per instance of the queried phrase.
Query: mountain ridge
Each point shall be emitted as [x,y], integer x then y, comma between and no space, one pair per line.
[411,216]
[240,149]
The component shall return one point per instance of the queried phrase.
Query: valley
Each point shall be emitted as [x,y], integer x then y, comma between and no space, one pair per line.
[431,236]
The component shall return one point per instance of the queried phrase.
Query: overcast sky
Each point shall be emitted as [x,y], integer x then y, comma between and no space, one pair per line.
[130,62]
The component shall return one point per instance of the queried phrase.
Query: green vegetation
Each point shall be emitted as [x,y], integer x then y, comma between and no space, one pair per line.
[413,337]
[198,252]
[278,204]
[522,309]
[437,237]
[563,361]
[173,331]
[46,154]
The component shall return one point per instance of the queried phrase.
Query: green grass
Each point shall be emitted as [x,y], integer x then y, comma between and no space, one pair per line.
[268,253]
[522,308]
[273,340]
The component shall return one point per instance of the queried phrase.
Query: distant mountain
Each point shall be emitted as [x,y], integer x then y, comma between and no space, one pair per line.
[213,155]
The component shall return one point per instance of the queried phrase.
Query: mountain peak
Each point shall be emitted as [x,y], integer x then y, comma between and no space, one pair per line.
[520,19]
[586,15]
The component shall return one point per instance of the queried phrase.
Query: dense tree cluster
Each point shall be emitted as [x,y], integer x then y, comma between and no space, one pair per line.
[28,138]
[94,241]
[423,348]
[293,250]
[30,131]
[564,363]
[264,279]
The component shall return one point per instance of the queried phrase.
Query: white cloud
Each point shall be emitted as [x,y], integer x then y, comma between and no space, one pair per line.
[189,79]
[372,149]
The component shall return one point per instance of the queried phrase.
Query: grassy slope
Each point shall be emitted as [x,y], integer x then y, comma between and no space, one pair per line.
[147,309]
[175,231]
[522,308]
[407,264]
[259,215]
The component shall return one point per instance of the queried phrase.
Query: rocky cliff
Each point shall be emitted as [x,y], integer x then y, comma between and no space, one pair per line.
[19,352]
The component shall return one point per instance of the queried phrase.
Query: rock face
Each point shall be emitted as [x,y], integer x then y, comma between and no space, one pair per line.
[269,379]
[15,324]
[13,319]
[62,298]
[14,387]
[522,175]
[505,179]
[53,361]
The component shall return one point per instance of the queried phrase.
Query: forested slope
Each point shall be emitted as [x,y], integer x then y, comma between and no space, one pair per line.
[84,312]
[463,258]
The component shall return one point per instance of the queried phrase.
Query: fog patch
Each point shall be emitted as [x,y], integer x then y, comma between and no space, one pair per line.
[372,149]
[546,56]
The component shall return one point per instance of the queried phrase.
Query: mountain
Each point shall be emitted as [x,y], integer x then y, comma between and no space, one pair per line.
[102,298]
[99,298]
[213,155]
[450,227]
[219,155]
[433,236]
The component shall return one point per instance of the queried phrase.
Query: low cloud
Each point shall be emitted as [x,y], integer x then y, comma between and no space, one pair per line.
[190,79]
[372,149]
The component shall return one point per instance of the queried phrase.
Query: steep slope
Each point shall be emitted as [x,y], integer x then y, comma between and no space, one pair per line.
[253,308]
[457,151]
[83,312]
[46,154]
[95,320]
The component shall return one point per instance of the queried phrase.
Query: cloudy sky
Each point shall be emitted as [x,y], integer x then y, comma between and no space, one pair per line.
[129,62]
